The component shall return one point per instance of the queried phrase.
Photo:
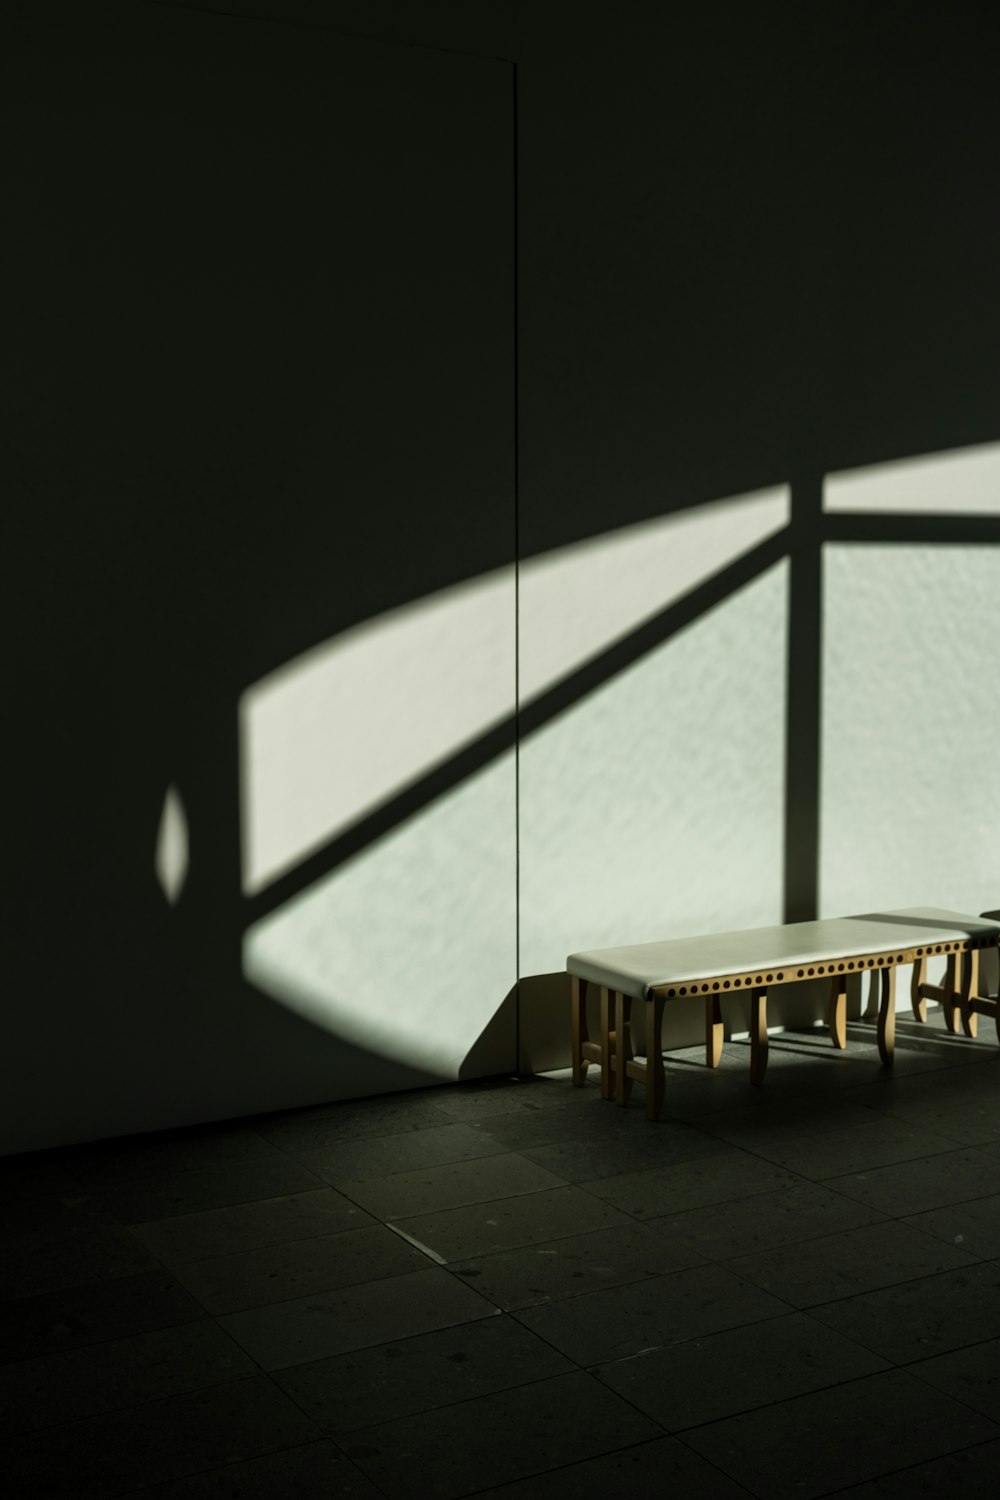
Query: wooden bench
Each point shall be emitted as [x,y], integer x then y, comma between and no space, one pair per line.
[754,962]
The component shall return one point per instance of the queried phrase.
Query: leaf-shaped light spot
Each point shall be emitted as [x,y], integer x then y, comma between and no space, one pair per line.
[171,860]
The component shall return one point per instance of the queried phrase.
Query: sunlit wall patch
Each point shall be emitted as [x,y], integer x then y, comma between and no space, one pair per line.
[408,949]
[578,600]
[960,482]
[909,815]
[654,805]
[171,857]
[340,729]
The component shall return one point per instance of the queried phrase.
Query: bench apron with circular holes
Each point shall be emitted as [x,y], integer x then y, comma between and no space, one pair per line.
[711,967]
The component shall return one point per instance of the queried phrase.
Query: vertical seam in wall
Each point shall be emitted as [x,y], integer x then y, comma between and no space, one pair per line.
[517,605]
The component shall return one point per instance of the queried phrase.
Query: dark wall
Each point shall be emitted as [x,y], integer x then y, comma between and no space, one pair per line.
[755,241]
[263,335]
[263,389]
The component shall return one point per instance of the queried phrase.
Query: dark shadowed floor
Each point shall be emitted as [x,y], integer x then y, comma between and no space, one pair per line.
[516,1290]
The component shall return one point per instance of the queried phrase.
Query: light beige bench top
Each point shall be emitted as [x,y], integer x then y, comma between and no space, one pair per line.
[647,967]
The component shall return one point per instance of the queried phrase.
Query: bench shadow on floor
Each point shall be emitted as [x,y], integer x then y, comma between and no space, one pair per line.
[515,1289]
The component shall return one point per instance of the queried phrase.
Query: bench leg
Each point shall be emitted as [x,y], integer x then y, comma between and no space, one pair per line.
[714,1031]
[837,1017]
[758,1036]
[623,1047]
[972,1003]
[578,1004]
[948,1004]
[887,1015]
[968,985]
[655,1079]
[917,999]
[607,1042]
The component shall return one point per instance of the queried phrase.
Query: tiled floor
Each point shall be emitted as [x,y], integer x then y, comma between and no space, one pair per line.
[515,1290]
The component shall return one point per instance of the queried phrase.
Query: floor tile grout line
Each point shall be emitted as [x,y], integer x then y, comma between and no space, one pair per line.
[929,1208]
[387,1176]
[923,1155]
[758,1409]
[657,1437]
[557,1239]
[649,1218]
[743,1483]
[880,1222]
[907,1469]
[203,1316]
[863,1290]
[321,1187]
[546,1187]
[776,1317]
[406,1338]
[323,1437]
[890,1286]
[144,1403]
[501,1390]
[471,1162]
[225,1255]
[755,1411]
[354,1286]
[204,1313]
[299,1152]
[924,1359]
[906,1221]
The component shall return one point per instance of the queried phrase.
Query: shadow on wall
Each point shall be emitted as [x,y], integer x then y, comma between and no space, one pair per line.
[651,740]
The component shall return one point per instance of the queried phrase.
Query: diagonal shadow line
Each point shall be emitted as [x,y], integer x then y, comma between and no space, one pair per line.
[668,622]
[889,917]
[526,720]
[851,526]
